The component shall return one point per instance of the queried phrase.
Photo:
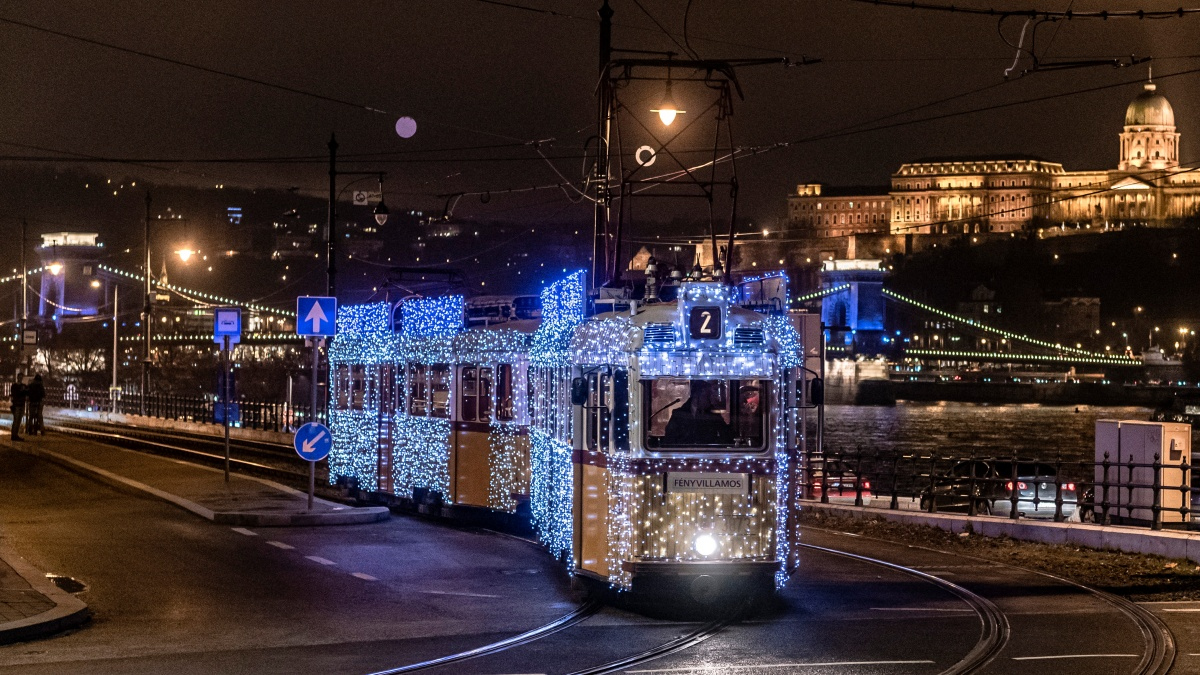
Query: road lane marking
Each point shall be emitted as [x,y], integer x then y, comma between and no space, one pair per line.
[462,593]
[922,609]
[720,668]
[364,577]
[242,530]
[1077,656]
[280,544]
[1180,609]
[319,559]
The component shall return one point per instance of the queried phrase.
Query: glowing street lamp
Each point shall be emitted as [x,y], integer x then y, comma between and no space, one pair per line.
[55,268]
[185,254]
[667,110]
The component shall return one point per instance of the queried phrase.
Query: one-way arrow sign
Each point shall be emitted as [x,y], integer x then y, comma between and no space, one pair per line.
[315,316]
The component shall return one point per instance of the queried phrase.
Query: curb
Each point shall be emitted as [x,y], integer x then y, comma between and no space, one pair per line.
[343,516]
[69,611]
[1166,543]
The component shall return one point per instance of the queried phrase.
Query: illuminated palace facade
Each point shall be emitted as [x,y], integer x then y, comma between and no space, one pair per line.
[1011,194]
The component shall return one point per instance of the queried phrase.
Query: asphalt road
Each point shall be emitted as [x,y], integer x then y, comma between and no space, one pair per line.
[176,594]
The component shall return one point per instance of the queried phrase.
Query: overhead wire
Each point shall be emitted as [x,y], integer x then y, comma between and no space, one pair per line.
[243,78]
[1037,13]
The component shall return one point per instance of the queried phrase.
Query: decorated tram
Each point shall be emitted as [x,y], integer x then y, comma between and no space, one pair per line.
[655,445]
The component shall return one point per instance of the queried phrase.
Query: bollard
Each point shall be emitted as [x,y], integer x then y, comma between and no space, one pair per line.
[858,478]
[971,492]
[1058,497]
[1156,502]
[1129,488]
[1014,492]
[1185,490]
[1104,504]
[895,503]
[824,481]
[932,482]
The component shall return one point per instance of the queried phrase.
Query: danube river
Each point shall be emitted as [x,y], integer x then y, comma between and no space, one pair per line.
[960,429]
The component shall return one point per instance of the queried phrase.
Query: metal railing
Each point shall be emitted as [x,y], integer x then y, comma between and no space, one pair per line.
[1106,491]
[246,414]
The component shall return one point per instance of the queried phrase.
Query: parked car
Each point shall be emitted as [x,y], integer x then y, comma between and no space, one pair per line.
[841,482]
[970,481]
[1036,492]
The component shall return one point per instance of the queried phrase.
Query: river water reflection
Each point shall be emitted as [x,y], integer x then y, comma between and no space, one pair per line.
[960,429]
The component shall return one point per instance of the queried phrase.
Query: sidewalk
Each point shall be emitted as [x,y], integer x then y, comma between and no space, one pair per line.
[244,500]
[30,605]
[1168,543]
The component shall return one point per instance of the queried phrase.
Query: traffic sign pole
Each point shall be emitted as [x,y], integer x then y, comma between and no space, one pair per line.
[316,319]
[225,395]
[316,365]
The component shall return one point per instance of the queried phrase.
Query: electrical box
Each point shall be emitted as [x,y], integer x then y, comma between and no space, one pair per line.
[1130,491]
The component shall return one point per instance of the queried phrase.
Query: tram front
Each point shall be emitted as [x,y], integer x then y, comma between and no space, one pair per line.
[682,468]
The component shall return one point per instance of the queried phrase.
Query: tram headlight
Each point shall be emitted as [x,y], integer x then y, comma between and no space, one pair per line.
[705,544]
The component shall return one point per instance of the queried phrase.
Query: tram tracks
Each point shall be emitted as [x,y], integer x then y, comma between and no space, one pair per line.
[1157,658]
[143,440]
[580,615]
[994,628]
[563,622]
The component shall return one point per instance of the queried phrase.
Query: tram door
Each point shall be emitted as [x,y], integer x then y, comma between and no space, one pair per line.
[470,466]
[592,521]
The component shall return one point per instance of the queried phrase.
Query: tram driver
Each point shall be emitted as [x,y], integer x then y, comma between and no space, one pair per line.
[699,421]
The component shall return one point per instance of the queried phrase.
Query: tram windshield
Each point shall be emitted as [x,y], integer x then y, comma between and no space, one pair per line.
[713,414]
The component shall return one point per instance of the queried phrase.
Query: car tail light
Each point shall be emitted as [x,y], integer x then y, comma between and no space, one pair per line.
[866,485]
[1020,485]
[1070,486]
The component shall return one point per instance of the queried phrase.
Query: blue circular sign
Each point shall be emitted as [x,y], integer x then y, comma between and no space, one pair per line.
[313,441]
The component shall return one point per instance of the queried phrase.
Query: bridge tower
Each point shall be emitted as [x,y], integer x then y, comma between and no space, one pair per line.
[853,308]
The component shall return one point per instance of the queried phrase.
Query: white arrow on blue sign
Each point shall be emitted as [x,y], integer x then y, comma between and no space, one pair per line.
[313,442]
[315,315]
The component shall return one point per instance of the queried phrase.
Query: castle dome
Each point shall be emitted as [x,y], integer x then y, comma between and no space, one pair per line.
[1150,108]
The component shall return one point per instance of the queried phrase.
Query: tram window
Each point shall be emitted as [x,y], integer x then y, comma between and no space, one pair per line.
[485,393]
[358,376]
[342,388]
[417,390]
[686,413]
[439,388]
[467,387]
[505,406]
[597,412]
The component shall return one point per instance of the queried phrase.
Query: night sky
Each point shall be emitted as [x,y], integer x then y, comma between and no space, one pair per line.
[481,74]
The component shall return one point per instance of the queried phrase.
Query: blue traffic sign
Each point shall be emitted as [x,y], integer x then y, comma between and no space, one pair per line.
[227,325]
[313,441]
[315,315]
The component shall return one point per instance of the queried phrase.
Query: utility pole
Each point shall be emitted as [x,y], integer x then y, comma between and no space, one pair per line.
[146,311]
[331,226]
[603,113]
[24,296]
[113,391]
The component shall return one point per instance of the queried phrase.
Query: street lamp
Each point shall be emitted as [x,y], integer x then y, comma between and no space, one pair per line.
[667,110]
[381,213]
[185,254]
[55,268]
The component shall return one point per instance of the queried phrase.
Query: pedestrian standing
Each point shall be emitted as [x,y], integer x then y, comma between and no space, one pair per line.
[20,393]
[37,394]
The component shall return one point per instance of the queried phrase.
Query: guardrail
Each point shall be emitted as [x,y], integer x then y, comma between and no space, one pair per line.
[261,415]
[1107,491]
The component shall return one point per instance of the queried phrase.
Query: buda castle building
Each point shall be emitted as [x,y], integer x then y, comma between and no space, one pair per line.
[1018,193]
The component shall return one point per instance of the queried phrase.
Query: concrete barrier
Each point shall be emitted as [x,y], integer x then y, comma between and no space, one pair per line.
[214,430]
